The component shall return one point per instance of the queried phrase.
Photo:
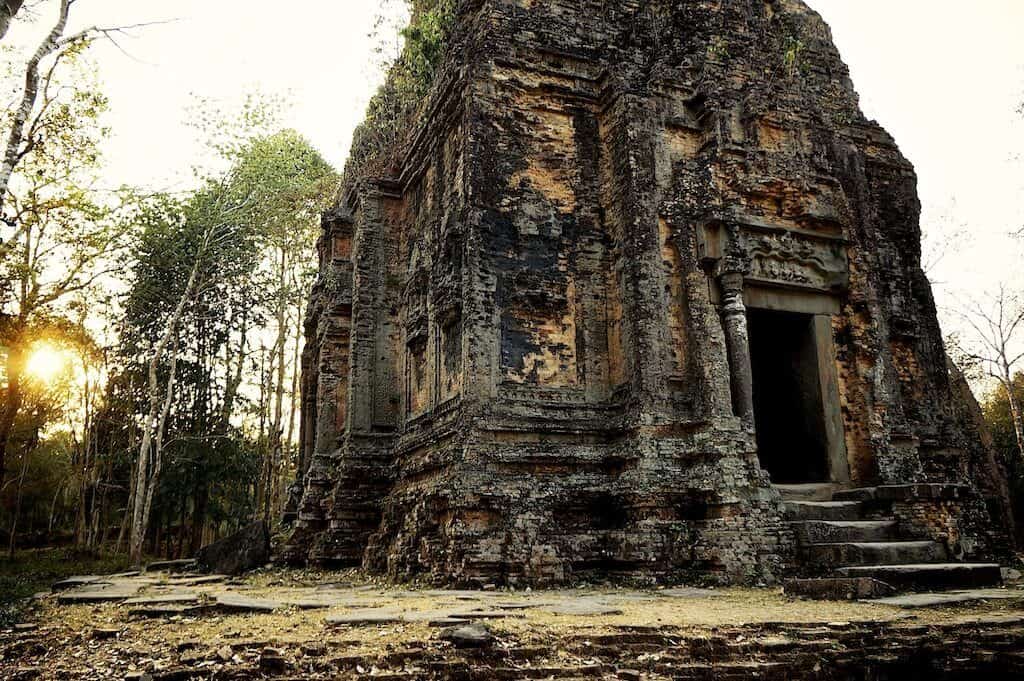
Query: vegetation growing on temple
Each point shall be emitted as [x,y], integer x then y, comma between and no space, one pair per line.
[392,111]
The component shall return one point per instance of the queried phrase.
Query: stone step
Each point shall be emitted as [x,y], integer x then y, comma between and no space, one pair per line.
[821,510]
[875,553]
[832,531]
[889,493]
[838,588]
[929,576]
[947,598]
[809,492]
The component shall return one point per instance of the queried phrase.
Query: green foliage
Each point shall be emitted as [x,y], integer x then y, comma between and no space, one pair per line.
[719,48]
[228,131]
[64,232]
[272,194]
[30,572]
[266,203]
[425,39]
[792,58]
[408,81]
[1000,423]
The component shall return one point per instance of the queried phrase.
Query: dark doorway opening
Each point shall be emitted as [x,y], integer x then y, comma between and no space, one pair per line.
[789,414]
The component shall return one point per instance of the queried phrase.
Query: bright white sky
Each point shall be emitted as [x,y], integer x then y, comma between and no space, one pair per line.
[945,77]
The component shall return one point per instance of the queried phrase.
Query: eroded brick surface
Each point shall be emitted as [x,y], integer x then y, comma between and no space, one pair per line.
[528,353]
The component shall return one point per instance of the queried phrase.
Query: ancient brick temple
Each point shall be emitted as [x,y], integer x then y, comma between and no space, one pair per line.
[641,263]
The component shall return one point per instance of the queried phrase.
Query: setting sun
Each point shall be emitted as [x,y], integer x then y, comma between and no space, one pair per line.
[46,362]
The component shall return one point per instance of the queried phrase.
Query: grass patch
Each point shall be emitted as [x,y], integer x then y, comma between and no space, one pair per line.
[32,571]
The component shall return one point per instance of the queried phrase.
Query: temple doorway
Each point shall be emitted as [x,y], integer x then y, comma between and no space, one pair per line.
[789,401]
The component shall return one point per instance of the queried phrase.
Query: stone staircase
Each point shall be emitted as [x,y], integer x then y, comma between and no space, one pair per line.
[845,548]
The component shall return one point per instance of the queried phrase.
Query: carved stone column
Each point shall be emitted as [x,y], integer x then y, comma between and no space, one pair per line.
[734,320]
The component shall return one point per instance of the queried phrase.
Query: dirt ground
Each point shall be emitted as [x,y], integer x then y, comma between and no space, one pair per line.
[162,623]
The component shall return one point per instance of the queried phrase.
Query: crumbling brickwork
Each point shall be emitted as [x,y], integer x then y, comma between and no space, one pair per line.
[543,348]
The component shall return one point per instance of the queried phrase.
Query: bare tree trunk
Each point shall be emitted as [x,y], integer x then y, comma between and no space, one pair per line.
[261,441]
[150,452]
[8,8]
[53,509]
[12,153]
[101,526]
[17,504]
[235,380]
[1015,409]
[148,476]
[281,349]
[12,399]
[293,400]
[126,519]
[199,506]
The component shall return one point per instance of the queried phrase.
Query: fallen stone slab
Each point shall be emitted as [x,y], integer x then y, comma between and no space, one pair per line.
[402,595]
[197,580]
[347,586]
[169,610]
[239,603]
[362,618]
[182,565]
[485,615]
[111,594]
[1012,619]
[308,604]
[433,617]
[934,600]
[321,602]
[334,586]
[78,581]
[446,622]
[245,550]
[838,588]
[160,599]
[521,605]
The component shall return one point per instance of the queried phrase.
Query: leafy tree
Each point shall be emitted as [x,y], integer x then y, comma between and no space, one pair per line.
[184,258]
[229,263]
[64,238]
[45,400]
[290,184]
[27,124]
[992,344]
[1000,420]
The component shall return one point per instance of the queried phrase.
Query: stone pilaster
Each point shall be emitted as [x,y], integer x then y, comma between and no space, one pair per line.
[734,320]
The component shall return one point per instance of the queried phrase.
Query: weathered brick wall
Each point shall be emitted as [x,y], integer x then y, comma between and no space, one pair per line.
[528,360]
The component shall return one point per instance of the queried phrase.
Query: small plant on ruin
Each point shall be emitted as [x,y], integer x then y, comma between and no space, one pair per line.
[719,48]
[409,80]
[792,57]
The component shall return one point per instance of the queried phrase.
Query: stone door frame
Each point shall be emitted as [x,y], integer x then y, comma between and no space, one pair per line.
[822,307]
